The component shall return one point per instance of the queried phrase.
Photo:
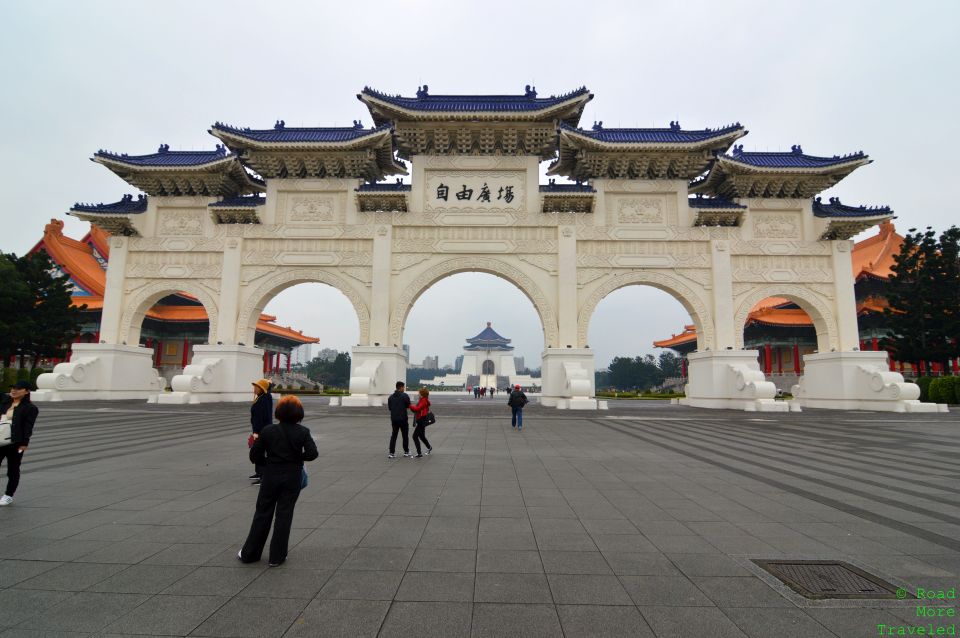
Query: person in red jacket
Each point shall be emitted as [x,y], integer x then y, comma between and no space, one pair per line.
[419,419]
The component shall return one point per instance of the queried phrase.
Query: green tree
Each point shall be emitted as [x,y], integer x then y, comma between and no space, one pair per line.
[49,311]
[15,299]
[670,364]
[335,373]
[924,297]
[637,373]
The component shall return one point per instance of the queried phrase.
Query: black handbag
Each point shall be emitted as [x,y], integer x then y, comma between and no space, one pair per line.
[428,419]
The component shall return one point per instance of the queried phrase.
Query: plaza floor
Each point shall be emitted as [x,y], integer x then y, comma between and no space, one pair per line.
[637,521]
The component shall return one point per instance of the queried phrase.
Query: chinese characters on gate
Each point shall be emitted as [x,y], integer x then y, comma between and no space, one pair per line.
[504,193]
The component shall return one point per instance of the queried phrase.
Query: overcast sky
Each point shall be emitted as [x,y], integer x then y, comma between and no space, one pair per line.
[126,76]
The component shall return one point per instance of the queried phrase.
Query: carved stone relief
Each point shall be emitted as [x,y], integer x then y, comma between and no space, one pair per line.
[640,211]
[312,209]
[776,226]
[175,222]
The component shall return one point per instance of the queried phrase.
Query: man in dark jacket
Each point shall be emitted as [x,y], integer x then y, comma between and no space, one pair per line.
[399,404]
[20,413]
[516,402]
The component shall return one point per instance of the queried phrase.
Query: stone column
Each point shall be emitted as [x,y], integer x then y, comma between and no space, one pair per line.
[723,311]
[226,329]
[113,296]
[848,334]
[567,288]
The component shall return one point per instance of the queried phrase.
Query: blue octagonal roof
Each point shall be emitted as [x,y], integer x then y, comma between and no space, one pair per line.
[796,158]
[126,206]
[835,209]
[166,158]
[473,103]
[672,135]
[281,134]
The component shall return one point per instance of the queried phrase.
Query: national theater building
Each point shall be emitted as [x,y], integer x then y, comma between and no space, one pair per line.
[171,327]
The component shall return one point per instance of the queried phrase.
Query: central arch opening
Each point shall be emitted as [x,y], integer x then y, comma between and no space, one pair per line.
[473,329]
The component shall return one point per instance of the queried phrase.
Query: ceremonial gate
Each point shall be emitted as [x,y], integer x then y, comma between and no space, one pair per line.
[673,208]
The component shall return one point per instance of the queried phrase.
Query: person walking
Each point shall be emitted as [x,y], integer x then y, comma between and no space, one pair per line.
[17,417]
[516,402]
[281,450]
[261,415]
[398,403]
[420,422]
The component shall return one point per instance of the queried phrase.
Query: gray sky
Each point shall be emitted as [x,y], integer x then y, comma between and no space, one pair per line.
[126,76]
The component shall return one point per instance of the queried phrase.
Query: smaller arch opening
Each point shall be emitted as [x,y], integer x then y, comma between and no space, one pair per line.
[170,324]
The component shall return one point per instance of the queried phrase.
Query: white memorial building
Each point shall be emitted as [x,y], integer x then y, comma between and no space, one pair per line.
[488,362]
[717,226]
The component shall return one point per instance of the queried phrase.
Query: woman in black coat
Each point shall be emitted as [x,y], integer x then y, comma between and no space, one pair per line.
[261,415]
[21,413]
[281,450]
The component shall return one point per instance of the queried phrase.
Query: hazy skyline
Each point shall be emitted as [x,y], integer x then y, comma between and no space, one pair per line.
[835,77]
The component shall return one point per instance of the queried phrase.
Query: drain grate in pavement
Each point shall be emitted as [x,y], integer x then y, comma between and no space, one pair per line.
[819,579]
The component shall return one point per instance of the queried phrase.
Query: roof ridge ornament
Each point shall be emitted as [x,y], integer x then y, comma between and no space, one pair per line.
[796,150]
[280,125]
[221,149]
[164,148]
[357,124]
[423,91]
[675,126]
[530,92]
[598,126]
[737,150]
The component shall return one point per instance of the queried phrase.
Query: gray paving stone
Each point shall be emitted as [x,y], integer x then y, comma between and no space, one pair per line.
[523,561]
[189,553]
[530,621]
[587,589]
[595,621]
[340,619]
[362,585]
[640,564]
[439,619]
[127,552]
[512,588]
[436,587]
[142,579]
[623,543]
[395,531]
[17,605]
[215,581]
[378,558]
[15,571]
[750,591]
[690,621]
[270,617]
[783,623]
[556,562]
[162,615]
[854,622]
[669,591]
[287,582]
[707,565]
[85,611]
[65,550]
[443,560]
[40,633]
[71,577]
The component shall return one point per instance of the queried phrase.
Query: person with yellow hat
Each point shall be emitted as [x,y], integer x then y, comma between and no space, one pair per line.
[261,415]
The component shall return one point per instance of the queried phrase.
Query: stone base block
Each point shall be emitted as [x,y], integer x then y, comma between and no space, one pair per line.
[856,381]
[217,374]
[568,377]
[374,372]
[732,380]
[98,371]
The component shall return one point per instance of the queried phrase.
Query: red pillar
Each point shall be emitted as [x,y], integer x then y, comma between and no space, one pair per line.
[796,359]
[876,343]
[893,364]
[276,366]
[266,358]
[779,360]
[96,337]
[767,359]
[955,367]
[922,368]
[683,367]
[863,345]
[186,352]
[288,362]
[159,353]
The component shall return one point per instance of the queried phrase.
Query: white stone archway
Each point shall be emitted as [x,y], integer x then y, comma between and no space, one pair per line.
[677,209]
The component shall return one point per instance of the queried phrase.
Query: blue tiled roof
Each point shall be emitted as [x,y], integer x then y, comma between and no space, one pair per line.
[489,335]
[240,200]
[553,187]
[127,205]
[712,202]
[165,157]
[796,158]
[466,103]
[835,209]
[385,187]
[281,134]
[672,135]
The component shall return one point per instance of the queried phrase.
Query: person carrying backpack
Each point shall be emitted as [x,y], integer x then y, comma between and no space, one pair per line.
[516,402]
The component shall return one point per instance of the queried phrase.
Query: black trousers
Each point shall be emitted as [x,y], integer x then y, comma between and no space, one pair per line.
[404,427]
[279,491]
[418,435]
[13,458]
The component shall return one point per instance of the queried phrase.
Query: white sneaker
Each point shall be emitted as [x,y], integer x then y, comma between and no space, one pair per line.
[6,500]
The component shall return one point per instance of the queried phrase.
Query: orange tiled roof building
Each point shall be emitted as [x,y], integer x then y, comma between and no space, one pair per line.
[172,326]
[783,333]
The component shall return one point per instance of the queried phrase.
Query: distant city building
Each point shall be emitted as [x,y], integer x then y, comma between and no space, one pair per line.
[406,352]
[431,362]
[519,364]
[458,363]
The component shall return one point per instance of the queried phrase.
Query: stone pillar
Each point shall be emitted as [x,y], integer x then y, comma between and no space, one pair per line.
[730,379]
[567,287]
[374,372]
[226,328]
[848,333]
[380,287]
[568,379]
[113,296]
[723,311]
[217,373]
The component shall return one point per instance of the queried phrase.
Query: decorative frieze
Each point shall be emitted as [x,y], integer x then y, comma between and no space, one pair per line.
[776,225]
[174,222]
[785,268]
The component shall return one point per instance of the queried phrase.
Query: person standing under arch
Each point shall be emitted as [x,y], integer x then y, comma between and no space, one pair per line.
[398,403]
